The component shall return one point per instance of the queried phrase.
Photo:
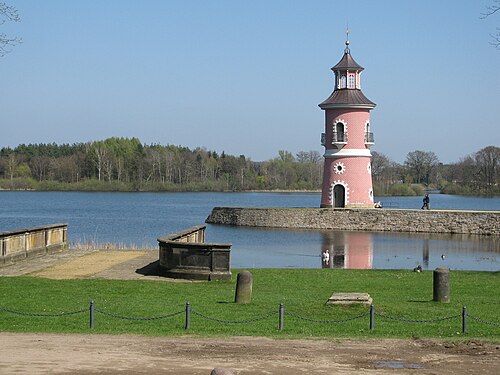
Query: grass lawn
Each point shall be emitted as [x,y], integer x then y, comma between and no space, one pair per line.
[304,292]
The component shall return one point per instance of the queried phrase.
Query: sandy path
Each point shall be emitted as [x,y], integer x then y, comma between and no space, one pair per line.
[87,265]
[105,354]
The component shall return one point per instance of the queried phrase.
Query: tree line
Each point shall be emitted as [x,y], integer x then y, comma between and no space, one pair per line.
[474,174]
[126,164]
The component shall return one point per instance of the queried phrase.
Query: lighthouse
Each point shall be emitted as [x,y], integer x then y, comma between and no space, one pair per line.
[347,178]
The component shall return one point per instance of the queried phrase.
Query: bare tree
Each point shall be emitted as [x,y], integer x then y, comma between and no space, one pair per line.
[492,9]
[99,154]
[421,165]
[380,163]
[12,164]
[488,165]
[40,166]
[8,13]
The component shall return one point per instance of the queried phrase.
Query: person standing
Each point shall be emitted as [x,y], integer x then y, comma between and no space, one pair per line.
[426,202]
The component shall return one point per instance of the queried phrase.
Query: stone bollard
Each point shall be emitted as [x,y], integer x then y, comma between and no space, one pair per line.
[244,287]
[441,289]
[221,371]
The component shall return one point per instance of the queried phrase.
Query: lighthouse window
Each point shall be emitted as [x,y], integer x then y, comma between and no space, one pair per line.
[339,168]
[339,130]
[351,81]
[343,82]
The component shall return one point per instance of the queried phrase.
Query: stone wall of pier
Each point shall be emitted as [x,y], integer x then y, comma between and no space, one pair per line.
[423,221]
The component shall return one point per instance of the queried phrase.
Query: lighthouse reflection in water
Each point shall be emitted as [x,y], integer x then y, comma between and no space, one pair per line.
[425,251]
[347,250]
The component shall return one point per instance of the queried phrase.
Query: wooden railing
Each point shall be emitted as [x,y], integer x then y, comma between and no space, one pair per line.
[23,243]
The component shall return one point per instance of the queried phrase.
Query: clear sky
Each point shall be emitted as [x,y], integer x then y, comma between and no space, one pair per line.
[246,77]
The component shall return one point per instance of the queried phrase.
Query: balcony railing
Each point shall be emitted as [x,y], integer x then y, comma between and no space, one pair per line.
[339,137]
[369,138]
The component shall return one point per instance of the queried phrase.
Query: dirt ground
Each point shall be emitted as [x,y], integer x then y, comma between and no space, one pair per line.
[104,354]
[38,353]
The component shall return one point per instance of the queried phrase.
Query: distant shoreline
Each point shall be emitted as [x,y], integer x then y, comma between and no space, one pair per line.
[277,191]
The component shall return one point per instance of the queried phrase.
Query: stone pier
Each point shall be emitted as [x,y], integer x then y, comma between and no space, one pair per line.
[377,220]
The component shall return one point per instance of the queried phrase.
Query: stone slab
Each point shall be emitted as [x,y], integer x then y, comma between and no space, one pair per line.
[344,298]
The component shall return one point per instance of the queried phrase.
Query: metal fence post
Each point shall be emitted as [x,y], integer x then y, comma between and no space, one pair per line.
[188,316]
[464,319]
[282,317]
[372,317]
[91,310]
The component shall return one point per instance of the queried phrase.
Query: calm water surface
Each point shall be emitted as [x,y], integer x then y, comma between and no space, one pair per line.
[138,219]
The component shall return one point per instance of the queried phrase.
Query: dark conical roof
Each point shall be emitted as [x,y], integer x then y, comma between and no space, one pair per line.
[347,62]
[347,98]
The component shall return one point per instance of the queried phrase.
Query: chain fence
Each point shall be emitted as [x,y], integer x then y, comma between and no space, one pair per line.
[483,321]
[242,321]
[43,314]
[418,320]
[326,320]
[188,312]
[138,318]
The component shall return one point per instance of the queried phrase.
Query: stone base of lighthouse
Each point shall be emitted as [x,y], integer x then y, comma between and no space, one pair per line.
[347,183]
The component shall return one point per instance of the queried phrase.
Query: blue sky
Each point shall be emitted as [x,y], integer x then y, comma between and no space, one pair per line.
[246,77]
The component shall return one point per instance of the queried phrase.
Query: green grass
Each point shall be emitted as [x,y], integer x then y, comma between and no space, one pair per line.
[304,292]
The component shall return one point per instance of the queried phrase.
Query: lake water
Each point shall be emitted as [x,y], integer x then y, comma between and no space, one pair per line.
[138,219]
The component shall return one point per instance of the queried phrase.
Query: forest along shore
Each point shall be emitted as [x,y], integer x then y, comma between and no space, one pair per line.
[126,164]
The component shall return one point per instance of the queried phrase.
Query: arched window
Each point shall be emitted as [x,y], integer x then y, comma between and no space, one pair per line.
[339,132]
[368,134]
[351,81]
[343,82]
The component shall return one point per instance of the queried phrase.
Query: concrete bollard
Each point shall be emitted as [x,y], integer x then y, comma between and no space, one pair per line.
[244,287]
[441,288]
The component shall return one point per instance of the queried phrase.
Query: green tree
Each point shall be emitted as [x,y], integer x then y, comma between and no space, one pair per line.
[23,170]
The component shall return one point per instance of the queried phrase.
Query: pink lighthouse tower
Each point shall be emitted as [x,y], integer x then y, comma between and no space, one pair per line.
[347,178]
